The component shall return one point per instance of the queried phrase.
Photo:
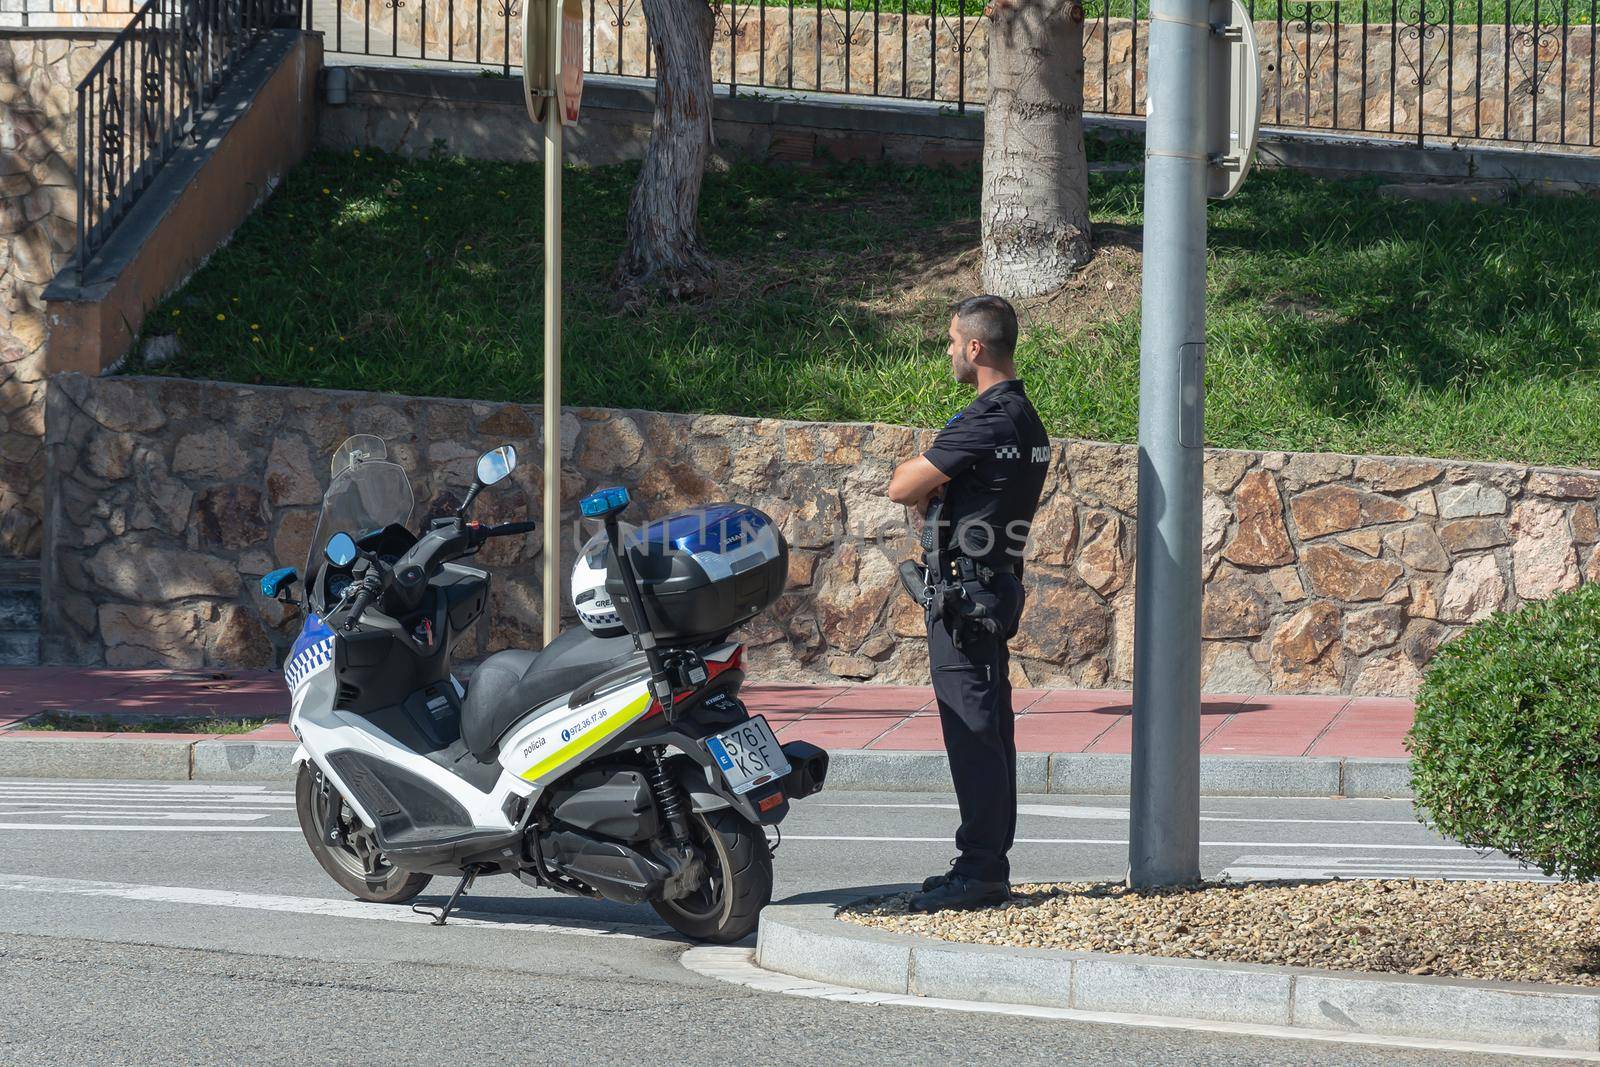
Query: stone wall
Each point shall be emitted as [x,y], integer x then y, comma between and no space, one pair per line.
[1465,83]
[38,232]
[1326,573]
[418,112]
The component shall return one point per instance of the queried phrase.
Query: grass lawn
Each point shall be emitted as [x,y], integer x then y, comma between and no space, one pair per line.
[1338,320]
[104,724]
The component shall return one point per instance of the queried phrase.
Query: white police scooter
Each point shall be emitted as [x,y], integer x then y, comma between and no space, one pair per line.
[617,762]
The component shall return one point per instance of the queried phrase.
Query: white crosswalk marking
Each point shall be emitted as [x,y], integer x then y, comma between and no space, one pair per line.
[148,816]
[177,802]
[53,804]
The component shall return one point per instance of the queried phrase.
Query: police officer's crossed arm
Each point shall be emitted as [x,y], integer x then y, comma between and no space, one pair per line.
[914,481]
[964,440]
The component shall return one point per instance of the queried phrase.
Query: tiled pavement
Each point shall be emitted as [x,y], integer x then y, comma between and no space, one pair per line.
[882,717]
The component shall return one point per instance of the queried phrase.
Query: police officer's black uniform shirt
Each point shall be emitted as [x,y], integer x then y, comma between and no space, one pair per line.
[996,454]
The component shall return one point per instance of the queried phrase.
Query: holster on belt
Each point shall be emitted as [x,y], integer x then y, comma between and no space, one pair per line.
[946,585]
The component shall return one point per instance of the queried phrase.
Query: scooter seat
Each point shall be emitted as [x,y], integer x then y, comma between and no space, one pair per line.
[512,683]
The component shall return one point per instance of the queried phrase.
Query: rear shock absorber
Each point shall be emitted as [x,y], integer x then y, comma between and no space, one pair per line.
[669,797]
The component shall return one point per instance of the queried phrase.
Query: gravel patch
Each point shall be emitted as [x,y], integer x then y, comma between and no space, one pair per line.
[1499,931]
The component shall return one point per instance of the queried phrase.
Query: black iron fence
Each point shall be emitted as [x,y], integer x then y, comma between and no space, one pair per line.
[147,93]
[1495,70]
[1509,71]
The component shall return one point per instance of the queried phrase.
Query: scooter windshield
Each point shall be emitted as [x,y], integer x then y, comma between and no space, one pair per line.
[368,492]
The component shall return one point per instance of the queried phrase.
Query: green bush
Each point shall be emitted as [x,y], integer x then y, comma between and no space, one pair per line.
[1505,750]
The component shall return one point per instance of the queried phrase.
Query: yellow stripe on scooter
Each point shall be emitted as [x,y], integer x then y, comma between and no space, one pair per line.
[624,718]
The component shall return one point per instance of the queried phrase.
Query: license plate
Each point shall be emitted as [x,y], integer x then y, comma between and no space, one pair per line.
[748,755]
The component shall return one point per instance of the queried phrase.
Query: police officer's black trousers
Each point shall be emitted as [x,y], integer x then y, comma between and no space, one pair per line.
[972,684]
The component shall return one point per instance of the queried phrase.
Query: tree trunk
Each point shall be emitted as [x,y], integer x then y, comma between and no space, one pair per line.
[1035,176]
[664,255]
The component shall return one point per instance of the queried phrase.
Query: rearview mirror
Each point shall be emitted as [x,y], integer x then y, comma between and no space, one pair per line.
[494,466]
[275,586]
[341,550]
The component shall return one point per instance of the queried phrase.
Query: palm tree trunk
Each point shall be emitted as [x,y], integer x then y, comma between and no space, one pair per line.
[1035,177]
[664,254]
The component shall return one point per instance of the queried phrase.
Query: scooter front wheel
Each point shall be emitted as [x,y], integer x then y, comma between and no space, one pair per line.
[738,882]
[352,859]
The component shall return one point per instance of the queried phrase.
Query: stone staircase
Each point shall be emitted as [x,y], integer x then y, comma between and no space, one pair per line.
[19,612]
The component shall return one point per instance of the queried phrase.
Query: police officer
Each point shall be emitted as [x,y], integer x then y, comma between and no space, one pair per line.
[977,488]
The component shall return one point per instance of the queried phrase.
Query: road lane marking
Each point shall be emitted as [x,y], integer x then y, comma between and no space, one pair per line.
[341,909]
[1062,811]
[79,785]
[199,816]
[152,829]
[738,966]
[100,797]
[1072,811]
[10,803]
[1123,841]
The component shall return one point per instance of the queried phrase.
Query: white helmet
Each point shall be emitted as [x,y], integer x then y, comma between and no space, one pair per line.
[589,594]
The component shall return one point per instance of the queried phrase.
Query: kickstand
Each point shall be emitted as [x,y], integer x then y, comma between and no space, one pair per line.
[443,913]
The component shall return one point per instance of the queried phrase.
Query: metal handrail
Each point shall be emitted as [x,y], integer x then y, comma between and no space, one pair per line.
[147,93]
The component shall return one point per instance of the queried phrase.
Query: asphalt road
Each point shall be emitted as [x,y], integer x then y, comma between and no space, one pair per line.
[187,923]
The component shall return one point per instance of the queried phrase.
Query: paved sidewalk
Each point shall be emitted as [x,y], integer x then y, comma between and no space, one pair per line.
[871,717]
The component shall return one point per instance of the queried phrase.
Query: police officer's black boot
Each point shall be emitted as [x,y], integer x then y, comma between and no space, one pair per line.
[960,893]
[934,881]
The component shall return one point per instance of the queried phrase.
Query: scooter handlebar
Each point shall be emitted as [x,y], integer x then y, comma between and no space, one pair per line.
[370,587]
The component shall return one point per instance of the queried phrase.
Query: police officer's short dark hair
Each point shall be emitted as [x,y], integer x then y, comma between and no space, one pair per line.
[992,321]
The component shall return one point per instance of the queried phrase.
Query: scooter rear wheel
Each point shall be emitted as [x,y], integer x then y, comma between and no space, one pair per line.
[373,879]
[738,883]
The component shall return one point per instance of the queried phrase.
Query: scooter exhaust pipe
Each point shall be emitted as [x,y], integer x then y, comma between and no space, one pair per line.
[808,769]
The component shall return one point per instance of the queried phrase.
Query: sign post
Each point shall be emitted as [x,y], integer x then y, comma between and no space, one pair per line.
[552,73]
[1200,122]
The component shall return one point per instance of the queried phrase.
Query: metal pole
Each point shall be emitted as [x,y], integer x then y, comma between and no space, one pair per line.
[552,333]
[1164,814]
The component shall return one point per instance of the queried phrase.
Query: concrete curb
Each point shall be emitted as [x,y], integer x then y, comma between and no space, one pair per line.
[111,759]
[233,760]
[806,941]
[1066,773]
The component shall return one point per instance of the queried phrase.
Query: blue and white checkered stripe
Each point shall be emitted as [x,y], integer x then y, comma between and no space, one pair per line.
[312,651]
[307,662]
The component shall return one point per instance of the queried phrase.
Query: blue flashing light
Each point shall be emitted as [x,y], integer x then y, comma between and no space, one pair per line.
[718,528]
[604,502]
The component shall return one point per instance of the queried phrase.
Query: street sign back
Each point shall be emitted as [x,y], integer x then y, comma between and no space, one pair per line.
[570,86]
[535,57]
[1234,106]
[537,82]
